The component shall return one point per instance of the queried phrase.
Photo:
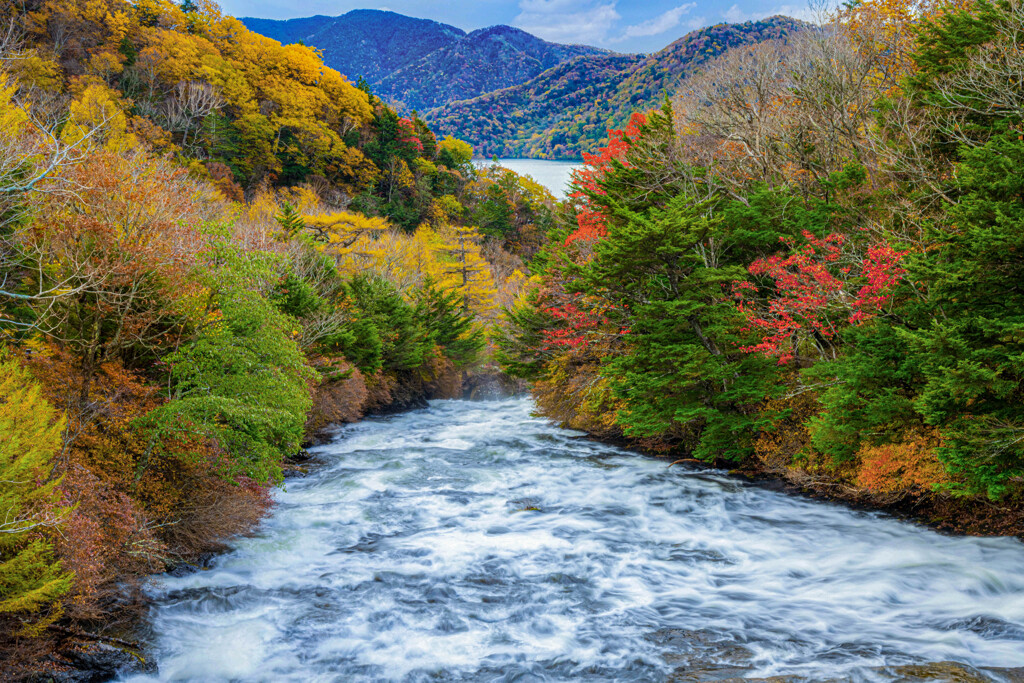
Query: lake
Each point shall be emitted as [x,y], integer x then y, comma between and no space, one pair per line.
[554,175]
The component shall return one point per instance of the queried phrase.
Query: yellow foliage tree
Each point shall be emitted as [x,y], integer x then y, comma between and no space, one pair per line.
[346,235]
[97,113]
[471,273]
[12,117]
[881,30]
[30,436]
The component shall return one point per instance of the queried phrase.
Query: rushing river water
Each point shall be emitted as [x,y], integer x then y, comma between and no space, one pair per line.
[472,542]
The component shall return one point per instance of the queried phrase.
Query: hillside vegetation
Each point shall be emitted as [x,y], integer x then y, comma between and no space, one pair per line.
[569,109]
[212,247]
[808,265]
[505,91]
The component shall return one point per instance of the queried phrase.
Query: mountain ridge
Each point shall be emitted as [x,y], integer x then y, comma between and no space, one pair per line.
[345,40]
[505,91]
[420,63]
[568,109]
[485,60]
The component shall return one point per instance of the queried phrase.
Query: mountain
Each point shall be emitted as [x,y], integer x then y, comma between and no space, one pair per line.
[567,110]
[485,60]
[506,92]
[368,43]
[420,63]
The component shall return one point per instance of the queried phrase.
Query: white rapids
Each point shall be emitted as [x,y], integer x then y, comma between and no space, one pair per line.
[473,542]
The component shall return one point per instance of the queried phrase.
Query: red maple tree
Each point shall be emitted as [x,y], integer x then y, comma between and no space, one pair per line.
[592,224]
[822,284]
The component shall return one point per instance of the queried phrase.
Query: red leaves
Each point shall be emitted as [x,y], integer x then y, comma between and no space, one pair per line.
[591,221]
[578,323]
[818,285]
[408,135]
[882,270]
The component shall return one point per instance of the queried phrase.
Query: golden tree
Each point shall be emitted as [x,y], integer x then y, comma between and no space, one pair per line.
[30,435]
[467,271]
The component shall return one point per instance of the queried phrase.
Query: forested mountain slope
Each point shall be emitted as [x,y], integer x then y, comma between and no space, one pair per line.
[485,60]
[568,110]
[362,43]
[419,63]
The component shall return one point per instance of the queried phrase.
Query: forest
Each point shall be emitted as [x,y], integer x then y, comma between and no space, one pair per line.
[806,265]
[212,249]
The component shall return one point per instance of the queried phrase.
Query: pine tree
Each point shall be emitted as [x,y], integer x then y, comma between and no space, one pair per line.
[972,353]
[404,342]
[290,220]
[346,234]
[448,325]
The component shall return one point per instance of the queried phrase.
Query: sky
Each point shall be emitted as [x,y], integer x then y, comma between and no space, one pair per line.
[619,25]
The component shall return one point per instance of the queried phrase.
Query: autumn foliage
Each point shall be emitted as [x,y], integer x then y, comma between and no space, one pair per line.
[807,263]
[821,286]
[591,220]
[909,465]
[32,580]
[212,249]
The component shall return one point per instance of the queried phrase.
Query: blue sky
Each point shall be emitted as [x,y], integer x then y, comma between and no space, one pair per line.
[620,25]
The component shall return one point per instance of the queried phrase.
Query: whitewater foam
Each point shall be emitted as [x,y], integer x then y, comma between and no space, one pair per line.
[471,541]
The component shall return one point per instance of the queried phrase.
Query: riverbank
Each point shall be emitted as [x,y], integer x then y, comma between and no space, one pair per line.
[112,647]
[76,655]
[969,516]
[966,516]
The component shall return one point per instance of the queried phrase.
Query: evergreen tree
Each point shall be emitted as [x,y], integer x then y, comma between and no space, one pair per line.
[681,372]
[405,344]
[520,340]
[290,220]
[242,381]
[972,353]
[447,324]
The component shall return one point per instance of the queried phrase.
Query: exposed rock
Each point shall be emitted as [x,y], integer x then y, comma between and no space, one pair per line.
[95,663]
[951,672]
[183,569]
[491,387]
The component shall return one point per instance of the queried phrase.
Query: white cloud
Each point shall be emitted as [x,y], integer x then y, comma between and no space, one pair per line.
[660,24]
[568,21]
[734,15]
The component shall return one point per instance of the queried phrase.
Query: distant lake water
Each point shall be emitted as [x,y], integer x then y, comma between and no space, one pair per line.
[554,175]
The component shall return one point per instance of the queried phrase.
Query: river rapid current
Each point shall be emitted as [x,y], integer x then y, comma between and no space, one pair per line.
[473,542]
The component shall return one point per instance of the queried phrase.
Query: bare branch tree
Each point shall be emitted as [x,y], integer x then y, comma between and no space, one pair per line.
[991,82]
[31,161]
[185,111]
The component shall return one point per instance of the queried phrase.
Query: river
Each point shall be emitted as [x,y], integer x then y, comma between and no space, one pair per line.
[473,542]
[554,175]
